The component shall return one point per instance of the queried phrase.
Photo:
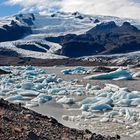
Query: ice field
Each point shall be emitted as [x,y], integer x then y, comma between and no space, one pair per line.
[107,104]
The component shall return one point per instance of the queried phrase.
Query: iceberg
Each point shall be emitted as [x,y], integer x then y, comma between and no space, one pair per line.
[100,107]
[124,102]
[31,73]
[118,74]
[27,85]
[42,98]
[14,97]
[113,113]
[136,75]
[2,94]
[28,93]
[76,70]
[66,100]
[32,104]
[135,102]
[39,86]
[30,68]
[89,100]
[51,78]
[106,101]
[57,91]
[85,107]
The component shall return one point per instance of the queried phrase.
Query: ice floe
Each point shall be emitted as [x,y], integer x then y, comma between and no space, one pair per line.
[66,100]
[119,74]
[76,70]
[136,75]
[33,86]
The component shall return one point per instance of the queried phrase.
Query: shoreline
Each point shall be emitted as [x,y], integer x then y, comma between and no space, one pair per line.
[93,61]
[21,123]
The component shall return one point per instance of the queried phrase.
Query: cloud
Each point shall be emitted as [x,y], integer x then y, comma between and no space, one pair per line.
[120,8]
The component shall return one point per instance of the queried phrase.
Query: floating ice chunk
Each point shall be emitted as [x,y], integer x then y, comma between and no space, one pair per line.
[122,78]
[59,80]
[79,93]
[19,101]
[105,101]
[14,97]
[124,102]
[18,86]
[45,82]
[39,86]
[6,68]
[66,100]
[119,95]
[58,91]
[137,74]
[32,104]
[2,94]
[14,92]
[42,98]
[89,100]
[10,81]
[31,73]
[118,121]
[112,75]
[30,68]
[132,96]
[27,85]
[136,134]
[100,107]
[135,102]
[28,93]
[65,117]
[85,107]
[113,113]
[87,115]
[97,87]
[76,70]
[88,86]
[111,88]
[104,120]
[128,114]
[40,80]
[51,78]
[104,94]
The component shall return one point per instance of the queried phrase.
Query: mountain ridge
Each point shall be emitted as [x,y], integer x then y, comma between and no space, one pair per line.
[40,36]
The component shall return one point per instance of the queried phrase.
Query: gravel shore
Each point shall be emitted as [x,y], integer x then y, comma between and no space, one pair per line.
[19,123]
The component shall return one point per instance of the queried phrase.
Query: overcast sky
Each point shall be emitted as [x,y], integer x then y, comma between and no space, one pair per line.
[120,8]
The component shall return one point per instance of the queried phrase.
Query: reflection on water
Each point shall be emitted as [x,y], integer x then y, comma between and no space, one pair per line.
[56,110]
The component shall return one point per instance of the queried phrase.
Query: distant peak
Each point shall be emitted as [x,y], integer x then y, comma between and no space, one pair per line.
[126,24]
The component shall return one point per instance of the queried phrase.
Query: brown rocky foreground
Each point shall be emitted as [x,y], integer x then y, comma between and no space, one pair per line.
[19,123]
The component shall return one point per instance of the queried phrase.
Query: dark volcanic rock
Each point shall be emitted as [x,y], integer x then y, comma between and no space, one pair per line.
[17,28]
[105,38]
[14,32]
[80,48]
[8,52]
[96,21]
[104,69]
[31,47]
[103,28]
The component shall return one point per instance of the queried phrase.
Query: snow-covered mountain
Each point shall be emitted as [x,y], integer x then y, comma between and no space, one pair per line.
[26,35]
